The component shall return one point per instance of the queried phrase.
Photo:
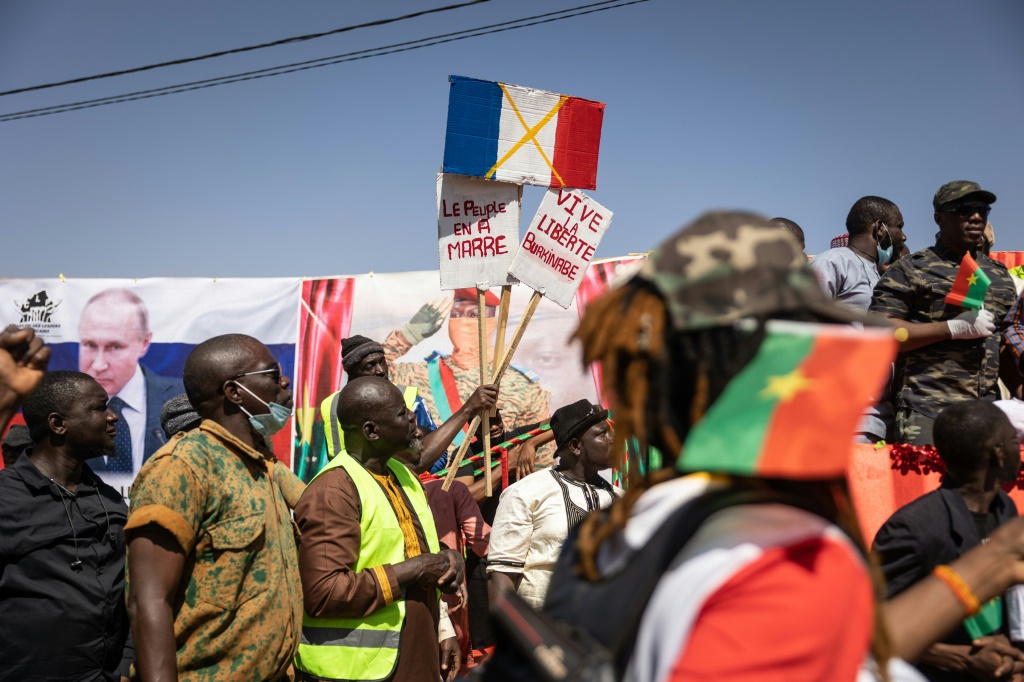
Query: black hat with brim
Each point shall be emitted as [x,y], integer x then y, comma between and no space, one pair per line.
[573,420]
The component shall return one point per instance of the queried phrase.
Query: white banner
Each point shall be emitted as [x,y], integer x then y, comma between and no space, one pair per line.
[133,337]
[181,310]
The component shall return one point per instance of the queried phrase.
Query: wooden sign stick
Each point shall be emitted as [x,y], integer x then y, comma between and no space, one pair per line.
[456,458]
[499,339]
[531,308]
[481,316]
[517,336]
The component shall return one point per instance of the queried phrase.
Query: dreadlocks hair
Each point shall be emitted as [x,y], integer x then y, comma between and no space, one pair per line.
[660,383]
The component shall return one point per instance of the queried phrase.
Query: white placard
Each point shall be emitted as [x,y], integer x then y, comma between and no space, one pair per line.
[560,243]
[477,230]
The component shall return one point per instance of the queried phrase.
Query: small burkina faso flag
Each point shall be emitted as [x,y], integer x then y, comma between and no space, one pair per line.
[970,285]
[792,411]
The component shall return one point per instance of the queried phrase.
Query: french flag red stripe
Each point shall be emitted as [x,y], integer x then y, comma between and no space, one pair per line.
[577,143]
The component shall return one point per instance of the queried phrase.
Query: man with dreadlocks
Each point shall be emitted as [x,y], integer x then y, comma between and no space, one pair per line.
[767,577]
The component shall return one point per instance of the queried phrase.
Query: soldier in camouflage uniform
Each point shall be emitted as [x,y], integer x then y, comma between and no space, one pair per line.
[522,401]
[214,584]
[947,353]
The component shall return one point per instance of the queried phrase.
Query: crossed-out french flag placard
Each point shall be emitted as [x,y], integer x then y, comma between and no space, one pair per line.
[521,135]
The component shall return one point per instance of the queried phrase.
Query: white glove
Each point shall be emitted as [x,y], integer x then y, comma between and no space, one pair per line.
[972,324]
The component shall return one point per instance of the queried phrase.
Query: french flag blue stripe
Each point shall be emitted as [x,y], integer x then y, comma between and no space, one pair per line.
[474,121]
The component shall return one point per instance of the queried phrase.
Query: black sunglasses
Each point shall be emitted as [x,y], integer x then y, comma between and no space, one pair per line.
[274,372]
[967,210]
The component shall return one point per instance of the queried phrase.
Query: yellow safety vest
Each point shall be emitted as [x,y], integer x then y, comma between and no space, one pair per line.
[334,437]
[367,648]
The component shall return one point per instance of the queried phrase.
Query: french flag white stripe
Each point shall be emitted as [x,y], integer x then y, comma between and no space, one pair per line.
[527,161]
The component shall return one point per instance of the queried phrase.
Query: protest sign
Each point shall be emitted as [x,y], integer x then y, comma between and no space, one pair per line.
[477,230]
[560,243]
[552,260]
[515,134]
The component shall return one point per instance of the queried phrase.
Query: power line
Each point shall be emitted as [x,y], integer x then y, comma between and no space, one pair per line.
[305,65]
[324,61]
[237,50]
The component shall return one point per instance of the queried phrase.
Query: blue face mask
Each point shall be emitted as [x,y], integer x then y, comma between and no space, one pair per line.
[884,254]
[266,425]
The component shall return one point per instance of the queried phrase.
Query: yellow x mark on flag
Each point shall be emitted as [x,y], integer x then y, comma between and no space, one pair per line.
[530,136]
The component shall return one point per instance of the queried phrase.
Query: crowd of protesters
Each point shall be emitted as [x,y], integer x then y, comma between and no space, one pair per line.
[226,566]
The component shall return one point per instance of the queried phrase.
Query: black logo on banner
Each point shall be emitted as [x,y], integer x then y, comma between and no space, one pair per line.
[38,309]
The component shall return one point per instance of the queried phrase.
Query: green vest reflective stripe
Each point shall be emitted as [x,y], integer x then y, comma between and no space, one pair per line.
[334,437]
[367,648]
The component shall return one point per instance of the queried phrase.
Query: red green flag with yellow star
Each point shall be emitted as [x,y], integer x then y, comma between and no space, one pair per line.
[970,285]
[792,411]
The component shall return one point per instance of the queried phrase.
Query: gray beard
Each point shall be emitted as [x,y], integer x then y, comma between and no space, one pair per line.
[415,446]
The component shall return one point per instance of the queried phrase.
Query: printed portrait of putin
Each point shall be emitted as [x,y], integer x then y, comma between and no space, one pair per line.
[113,335]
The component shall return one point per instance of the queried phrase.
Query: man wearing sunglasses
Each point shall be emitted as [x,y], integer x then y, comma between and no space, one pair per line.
[215,591]
[947,353]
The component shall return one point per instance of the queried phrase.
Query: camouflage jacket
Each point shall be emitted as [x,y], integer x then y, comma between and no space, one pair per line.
[238,612]
[1014,334]
[522,401]
[914,289]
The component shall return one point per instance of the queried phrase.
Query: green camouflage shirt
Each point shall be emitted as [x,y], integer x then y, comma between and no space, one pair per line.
[522,401]
[238,611]
[914,289]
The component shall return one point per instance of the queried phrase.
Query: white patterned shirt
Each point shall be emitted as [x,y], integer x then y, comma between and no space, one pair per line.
[533,520]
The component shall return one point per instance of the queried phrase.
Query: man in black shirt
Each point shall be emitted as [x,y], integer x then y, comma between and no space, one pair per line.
[980,449]
[62,551]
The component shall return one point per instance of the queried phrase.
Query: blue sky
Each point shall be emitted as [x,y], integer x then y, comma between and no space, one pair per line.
[788,108]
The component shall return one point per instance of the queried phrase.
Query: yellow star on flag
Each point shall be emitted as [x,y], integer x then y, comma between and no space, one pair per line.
[786,386]
[972,280]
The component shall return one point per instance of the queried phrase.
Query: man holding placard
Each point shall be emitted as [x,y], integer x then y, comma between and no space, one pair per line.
[362,357]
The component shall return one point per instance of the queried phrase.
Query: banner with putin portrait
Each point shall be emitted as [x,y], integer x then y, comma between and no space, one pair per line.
[133,337]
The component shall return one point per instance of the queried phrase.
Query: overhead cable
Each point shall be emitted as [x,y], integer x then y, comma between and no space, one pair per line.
[324,61]
[237,50]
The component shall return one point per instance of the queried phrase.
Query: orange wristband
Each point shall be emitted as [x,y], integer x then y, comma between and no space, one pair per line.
[959,588]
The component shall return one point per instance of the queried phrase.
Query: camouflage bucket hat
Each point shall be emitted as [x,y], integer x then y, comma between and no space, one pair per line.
[727,265]
[958,189]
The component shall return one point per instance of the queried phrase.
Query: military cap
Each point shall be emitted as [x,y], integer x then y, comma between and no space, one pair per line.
[573,420]
[958,189]
[469,294]
[728,265]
